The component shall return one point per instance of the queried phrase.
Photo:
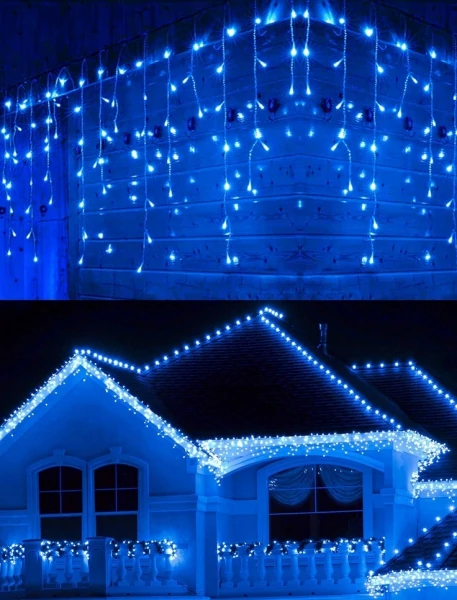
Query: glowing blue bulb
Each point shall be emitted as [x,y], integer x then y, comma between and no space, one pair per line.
[373,186]
[225,223]
[77,109]
[306,51]
[138,64]
[293,14]
[195,47]
[167,54]
[122,71]
[8,104]
[231,31]
[226,147]
[150,168]
[293,52]
[226,186]
[338,62]
[172,256]
[427,256]
[100,72]
[220,68]
[173,87]
[399,113]
[373,147]
[375,224]
[134,154]
[426,87]
[433,53]
[342,21]
[380,69]
[369,31]
[451,238]
[449,168]
[258,21]
[306,14]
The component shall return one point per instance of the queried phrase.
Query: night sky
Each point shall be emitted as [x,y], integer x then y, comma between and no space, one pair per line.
[38,337]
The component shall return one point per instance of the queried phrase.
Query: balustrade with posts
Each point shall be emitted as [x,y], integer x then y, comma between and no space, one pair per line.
[311,567]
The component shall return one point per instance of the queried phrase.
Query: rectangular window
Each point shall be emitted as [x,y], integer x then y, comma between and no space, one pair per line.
[119,527]
[56,529]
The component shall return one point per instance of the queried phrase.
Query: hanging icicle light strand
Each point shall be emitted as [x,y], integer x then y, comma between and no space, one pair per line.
[306,49]
[256,105]
[114,101]
[81,173]
[454,163]
[49,121]
[195,48]
[404,46]
[432,125]
[293,49]
[226,224]
[100,160]
[343,131]
[373,186]
[30,210]
[146,237]
[167,122]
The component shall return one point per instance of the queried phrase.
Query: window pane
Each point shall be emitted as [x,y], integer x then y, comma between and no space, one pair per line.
[306,505]
[119,527]
[72,479]
[105,478]
[338,525]
[48,480]
[328,501]
[105,501]
[127,476]
[49,503]
[72,502]
[56,529]
[127,500]
[329,476]
[290,527]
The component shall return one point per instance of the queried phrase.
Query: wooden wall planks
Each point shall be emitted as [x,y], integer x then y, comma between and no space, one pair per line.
[301,236]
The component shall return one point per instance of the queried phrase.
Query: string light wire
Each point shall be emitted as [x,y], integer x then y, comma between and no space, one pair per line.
[82,172]
[453,236]
[432,125]
[114,101]
[167,122]
[146,237]
[293,50]
[195,48]
[30,209]
[373,186]
[49,121]
[306,49]
[100,160]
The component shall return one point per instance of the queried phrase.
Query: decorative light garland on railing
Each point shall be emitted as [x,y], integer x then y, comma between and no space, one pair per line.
[13,552]
[50,550]
[147,547]
[249,548]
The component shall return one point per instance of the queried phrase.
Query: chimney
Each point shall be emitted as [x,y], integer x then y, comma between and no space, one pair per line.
[323,327]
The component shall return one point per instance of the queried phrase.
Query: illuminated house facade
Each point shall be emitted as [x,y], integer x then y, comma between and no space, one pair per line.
[240,465]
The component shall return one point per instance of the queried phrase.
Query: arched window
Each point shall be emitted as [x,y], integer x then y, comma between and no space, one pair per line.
[316,502]
[60,503]
[116,501]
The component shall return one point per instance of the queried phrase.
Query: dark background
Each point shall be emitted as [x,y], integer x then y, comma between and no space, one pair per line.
[36,338]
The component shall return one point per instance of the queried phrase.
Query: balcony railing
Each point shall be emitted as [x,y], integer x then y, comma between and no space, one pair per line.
[97,567]
[294,567]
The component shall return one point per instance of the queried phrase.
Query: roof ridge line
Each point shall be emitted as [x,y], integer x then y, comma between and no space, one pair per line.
[219,333]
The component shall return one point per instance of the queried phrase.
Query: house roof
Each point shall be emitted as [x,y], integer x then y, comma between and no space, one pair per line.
[435,550]
[419,395]
[250,380]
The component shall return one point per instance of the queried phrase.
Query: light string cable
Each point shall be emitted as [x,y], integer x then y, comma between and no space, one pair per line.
[100,161]
[55,105]
[17,127]
[167,122]
[453,237]
[404,46]
[306,48]
[195,48]
[374,149]
[30,210]
[82,171]
[293,49]
[147,239]
[257,104]
[432,54]
[7,182]
[47,141]
[226,224]
[114,102]
[343,104]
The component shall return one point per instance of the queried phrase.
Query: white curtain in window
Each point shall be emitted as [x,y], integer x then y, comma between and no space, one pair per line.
[343,485]
[292,487]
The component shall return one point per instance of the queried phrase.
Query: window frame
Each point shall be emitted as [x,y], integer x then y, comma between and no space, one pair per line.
[143,490]
[363,464]
[59,459]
